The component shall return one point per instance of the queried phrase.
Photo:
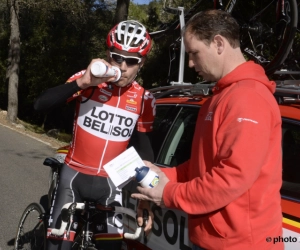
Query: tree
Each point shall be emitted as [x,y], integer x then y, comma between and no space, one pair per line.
[121,13]
[14,60]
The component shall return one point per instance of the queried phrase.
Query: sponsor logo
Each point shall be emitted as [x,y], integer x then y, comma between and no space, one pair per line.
[103,98]
[113,36]
[131,101]
[209,116]
[247,120]
[100,227]
[107,122]
[50,220]
[148,95]
[133,109]
[145,42]
[80,73]
[105,92]
[154,182]
[132,94]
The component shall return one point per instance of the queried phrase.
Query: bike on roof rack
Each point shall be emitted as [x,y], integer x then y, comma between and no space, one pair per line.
[267,28]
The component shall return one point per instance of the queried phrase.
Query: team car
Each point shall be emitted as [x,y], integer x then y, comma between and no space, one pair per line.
[176,113]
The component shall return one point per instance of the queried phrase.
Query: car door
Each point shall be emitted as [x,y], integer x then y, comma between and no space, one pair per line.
[173,133]
[290,191]
[171,141]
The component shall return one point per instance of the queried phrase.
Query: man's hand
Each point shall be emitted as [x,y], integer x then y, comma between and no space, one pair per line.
[141,206]
[153,194]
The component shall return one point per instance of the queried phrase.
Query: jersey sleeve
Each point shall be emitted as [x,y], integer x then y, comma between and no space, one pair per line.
[58,95]
[72,79]
[146,119]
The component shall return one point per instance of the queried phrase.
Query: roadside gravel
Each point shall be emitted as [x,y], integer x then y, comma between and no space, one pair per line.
[52,142]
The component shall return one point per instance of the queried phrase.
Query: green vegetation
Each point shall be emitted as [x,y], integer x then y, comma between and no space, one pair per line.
[60,37]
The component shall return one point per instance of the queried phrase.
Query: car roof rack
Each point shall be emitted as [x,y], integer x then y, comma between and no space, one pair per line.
[193,90]
[287,91]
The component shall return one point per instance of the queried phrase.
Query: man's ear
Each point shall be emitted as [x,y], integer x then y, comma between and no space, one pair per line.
[219,43]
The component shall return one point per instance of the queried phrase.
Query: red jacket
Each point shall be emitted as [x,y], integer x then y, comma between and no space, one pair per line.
[230,186]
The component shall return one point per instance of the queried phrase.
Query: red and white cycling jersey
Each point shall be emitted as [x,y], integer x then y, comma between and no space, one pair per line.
[105,118]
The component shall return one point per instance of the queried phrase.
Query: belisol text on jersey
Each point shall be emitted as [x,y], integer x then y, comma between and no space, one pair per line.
[104,123]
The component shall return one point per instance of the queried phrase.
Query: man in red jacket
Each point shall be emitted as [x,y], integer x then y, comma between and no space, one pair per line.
[230,186]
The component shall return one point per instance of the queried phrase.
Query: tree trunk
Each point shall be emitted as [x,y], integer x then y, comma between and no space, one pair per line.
[14,60]
[121,11]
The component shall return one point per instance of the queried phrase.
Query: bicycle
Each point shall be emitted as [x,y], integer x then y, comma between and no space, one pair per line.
[267,27]
[32,228]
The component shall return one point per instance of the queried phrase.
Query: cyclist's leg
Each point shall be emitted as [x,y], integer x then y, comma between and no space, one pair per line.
[108,227]
[64,193]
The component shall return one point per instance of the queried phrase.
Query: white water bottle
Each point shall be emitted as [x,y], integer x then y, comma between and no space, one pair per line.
[146,177]
[100,69]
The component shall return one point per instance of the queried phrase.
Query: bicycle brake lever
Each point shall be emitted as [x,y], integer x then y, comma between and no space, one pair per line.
[145,221]
[71,211]
[69,227]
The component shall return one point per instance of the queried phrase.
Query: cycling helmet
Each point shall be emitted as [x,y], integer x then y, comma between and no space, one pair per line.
[129,36]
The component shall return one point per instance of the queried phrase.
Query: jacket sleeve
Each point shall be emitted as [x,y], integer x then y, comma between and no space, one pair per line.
[179,173]
[249,126]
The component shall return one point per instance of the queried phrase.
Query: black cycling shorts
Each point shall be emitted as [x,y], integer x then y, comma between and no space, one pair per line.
[74,186]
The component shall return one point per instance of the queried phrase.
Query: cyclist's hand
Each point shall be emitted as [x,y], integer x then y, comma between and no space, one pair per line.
[88,80]
[145,205]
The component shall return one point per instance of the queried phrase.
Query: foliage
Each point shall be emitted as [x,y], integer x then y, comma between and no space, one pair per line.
[4,40]
[60,37]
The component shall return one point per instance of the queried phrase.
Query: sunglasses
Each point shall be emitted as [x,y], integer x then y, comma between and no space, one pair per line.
[130,60]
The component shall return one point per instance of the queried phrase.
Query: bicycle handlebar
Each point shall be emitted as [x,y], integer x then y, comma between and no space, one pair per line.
[81,206]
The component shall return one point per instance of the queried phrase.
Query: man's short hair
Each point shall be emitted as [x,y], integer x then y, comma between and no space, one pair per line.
[205,25]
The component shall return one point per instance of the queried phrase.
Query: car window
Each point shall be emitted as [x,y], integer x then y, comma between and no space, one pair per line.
[164,118]
[291,160]
[177,144]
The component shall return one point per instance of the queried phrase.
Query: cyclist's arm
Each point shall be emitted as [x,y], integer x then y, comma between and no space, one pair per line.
[141,138]
[55,96]
[141,141]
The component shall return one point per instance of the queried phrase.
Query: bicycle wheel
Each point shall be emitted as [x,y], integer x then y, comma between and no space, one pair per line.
[31,233]
[267,31]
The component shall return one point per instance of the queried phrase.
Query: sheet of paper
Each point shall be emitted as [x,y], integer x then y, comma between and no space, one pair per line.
[122,168]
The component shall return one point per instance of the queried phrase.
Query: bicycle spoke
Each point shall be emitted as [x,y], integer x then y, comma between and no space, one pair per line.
[31,231]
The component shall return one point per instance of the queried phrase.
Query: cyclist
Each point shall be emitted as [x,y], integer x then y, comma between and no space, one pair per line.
[106,115]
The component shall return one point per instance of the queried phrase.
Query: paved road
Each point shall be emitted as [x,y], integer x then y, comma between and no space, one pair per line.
[23,179]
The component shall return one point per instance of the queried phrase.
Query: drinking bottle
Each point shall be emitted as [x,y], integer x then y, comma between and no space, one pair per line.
[100,69]
[146,177]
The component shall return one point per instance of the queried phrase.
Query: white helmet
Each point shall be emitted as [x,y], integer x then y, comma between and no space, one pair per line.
[130,36]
